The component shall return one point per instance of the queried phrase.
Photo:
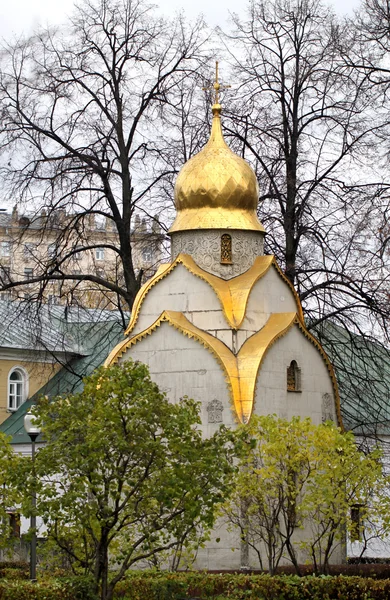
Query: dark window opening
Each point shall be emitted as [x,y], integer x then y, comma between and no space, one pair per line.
[356,523]
[293,377]
[226,249]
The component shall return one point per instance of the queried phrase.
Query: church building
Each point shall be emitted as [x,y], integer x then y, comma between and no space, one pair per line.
[221,323]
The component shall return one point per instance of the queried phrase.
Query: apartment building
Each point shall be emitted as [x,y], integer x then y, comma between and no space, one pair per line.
[32,246]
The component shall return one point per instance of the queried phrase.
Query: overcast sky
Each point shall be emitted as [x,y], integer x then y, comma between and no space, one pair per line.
[17,16]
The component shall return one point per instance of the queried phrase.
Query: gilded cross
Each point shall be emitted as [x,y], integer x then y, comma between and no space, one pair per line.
[216,86]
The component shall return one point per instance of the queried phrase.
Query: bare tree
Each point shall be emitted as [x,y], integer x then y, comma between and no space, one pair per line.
[82,113]
[307,120]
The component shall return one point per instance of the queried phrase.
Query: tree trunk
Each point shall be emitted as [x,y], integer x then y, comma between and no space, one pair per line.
[101,567]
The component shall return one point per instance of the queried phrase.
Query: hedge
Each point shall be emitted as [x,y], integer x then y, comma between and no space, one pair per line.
[181,586]
[202,586]
[14,564]
[375,570]
[67,588]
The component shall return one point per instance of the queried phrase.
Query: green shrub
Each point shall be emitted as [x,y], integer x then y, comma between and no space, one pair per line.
[69,588]
[13,574]
[181,586]
[14,564]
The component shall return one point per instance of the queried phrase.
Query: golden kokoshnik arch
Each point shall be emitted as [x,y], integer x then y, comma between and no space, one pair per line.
[233,294]
[240,370]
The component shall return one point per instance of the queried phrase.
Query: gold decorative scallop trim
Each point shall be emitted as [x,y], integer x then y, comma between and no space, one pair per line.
[292,288]
[241,371]
[233,294]
[161,272]
[220,351]
[251,355]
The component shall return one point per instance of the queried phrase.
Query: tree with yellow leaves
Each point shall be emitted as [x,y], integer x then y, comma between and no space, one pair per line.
[296,486]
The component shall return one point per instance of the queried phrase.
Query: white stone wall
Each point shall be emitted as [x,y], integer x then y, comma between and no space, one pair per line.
[182,366]
[271,395]
[184,292]
[269,295]
[205,248]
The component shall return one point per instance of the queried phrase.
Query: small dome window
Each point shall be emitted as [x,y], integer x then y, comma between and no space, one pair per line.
[226,249]
[293,377]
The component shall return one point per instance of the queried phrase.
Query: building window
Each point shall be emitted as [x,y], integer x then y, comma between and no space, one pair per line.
[52,250]
[99,253]
[293,377]
[356,523]
[5,273]
[29,250]
[226,249]
[5,296]
[28,273]
[17,388]
[5,249]
[147,254]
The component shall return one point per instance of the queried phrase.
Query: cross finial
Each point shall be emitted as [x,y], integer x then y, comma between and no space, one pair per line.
[216,86]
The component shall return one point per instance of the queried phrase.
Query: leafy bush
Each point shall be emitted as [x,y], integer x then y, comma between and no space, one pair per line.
[13,574]
[14,564]
[182,586]
[70,588]
[375,570]
[202,586]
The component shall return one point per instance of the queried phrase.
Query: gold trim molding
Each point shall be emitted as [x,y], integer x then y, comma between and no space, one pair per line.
[233,294]
[241,371]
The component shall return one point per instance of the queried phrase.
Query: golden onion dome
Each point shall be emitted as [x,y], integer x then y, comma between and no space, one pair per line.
[216,189]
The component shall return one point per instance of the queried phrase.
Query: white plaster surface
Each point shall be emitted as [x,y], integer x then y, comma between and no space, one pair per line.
[184,292]
[271,395]
[182,366]
[269,295]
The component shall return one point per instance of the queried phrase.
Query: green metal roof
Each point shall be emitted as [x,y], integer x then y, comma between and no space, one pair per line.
[362,367]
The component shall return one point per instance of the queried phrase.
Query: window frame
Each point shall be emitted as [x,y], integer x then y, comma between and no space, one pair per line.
[147,254]
[29,249]
[24,390]
[52,250]
[99,253]
[357,522]
[226,249]
[5,272]
[28,273]
[5,249]
[294,377]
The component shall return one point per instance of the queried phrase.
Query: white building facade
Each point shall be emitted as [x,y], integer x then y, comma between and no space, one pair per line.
[221,323]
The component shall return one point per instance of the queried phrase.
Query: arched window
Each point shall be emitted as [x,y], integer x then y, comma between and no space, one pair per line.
[293,377]
[17,388]
[226,249]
